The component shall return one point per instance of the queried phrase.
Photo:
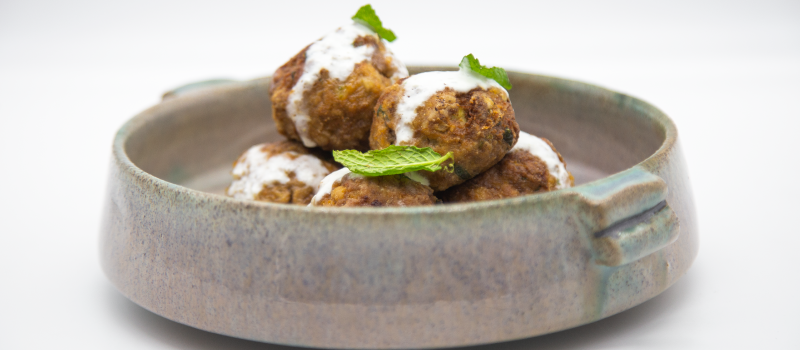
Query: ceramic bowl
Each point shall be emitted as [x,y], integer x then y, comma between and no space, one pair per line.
[436,276]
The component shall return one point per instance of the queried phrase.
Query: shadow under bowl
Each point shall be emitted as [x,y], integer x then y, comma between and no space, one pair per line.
[418,277]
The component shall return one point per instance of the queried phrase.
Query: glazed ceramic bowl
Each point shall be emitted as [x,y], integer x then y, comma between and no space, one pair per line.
[435,276]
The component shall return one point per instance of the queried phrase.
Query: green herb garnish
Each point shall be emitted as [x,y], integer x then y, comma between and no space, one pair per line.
[391,160]
[498,74]
[366,16]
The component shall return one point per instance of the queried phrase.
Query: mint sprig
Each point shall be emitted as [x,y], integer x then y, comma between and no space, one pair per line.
[391,160]
[496,73]
[366,16]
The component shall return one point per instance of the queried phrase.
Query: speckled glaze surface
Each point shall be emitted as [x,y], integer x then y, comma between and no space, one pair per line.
[436,276]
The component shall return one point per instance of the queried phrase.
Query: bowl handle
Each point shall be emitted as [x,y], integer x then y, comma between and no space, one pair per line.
[630,217]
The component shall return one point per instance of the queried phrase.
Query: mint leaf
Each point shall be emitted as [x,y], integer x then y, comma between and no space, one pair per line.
[366,16]
[391,160]
[496,73]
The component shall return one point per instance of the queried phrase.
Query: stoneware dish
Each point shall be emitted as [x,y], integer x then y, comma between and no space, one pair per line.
[420,277]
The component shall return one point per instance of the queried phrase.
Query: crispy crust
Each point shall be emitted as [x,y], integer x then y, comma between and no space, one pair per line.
[294,191]
[340,112]
[390,191]
[518,174]
[478,126]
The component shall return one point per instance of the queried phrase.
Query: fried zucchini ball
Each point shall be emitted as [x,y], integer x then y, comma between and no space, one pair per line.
[533,165]
[324,96]
[345,189]
[460,112]
[281,172]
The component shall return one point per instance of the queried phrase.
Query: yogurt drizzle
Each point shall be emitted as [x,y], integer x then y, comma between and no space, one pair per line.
[255,170]
[326,186]
[415,175]
[336,53]
[541,149]
[421,87]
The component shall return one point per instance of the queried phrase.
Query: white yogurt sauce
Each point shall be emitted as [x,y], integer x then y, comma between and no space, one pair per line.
[418,178]
[421,87]
[336,53]
[326,186]
[541,149]
[400,70]
[255,170]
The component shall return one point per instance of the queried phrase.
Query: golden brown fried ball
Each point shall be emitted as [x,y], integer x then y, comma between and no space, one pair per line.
[478,126]
[518,174]
[381,191]
[281,172]
[339,112]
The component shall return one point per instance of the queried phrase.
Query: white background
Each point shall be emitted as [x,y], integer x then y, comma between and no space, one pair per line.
[727,72]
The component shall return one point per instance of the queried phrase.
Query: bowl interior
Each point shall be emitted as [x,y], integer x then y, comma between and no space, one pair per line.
[193,139]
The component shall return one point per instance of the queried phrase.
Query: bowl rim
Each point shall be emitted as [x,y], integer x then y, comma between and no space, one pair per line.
[136,122]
